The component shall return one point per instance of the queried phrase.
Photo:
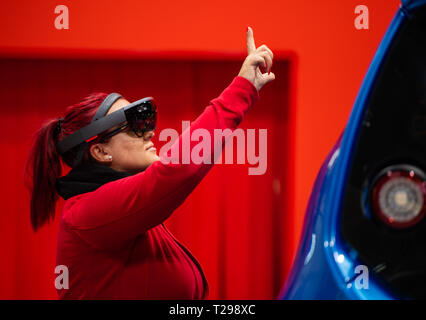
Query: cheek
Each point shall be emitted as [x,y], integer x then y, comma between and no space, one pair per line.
[127,149]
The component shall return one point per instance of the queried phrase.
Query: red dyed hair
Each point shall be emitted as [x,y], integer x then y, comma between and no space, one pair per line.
[44,163]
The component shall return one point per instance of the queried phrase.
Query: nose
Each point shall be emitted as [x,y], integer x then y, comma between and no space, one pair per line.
[149,135]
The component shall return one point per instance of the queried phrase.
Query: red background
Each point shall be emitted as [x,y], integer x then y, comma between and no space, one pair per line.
[184,53]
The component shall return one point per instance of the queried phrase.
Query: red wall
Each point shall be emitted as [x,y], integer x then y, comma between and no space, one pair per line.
[332,56]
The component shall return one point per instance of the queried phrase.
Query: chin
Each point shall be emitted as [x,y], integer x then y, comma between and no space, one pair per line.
[152,158]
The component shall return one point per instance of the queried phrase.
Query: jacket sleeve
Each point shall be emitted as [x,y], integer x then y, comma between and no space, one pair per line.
[121,210]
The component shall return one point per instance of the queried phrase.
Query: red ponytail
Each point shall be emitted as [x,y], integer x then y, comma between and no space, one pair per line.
[44,165]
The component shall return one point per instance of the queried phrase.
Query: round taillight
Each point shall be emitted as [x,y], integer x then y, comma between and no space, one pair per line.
[399,196]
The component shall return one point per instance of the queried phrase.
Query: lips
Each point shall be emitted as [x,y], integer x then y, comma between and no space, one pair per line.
[150,147]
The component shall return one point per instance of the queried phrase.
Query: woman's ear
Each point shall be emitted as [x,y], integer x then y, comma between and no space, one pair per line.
[97,151]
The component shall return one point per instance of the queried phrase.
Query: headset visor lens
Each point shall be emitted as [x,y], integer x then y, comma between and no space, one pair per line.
[142,117]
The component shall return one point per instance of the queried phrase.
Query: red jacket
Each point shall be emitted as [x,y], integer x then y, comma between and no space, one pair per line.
[113,240]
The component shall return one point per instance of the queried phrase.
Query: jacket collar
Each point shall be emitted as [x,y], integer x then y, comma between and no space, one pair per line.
[87,178]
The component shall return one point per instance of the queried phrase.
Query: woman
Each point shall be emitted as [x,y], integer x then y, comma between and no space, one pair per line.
[118,194]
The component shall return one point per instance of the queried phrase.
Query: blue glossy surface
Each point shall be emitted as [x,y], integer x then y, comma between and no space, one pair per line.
[411,4]
[324,267]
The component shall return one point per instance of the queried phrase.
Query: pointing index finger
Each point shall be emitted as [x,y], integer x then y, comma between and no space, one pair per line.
[250,41]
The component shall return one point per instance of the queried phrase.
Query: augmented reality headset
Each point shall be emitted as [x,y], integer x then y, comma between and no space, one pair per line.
[141,116]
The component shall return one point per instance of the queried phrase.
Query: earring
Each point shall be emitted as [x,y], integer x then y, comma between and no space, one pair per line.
[109,157]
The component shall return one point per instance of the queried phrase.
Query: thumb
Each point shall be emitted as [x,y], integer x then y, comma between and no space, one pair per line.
[268,77]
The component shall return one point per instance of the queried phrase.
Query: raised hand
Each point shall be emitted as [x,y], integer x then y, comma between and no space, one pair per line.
[257,58]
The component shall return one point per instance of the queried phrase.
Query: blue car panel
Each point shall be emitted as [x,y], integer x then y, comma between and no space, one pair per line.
[333,257]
